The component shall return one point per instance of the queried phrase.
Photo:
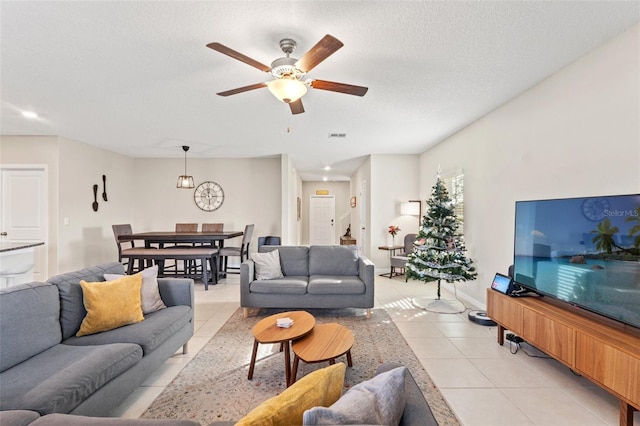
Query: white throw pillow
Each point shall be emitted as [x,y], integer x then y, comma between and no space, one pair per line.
[151,300]
[378,401]
[267,265]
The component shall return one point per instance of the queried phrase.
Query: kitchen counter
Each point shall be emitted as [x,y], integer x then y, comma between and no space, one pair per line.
[4,247]
[17,262]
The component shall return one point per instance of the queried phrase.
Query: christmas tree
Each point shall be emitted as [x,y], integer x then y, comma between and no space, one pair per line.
[439,251]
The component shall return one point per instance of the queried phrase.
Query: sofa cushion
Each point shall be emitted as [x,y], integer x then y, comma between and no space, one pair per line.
[111,304]
[378,401]
[149,334]
[72,420]
[72,310]
[60,378]
[294,260]
[151,300]
[29,323]
[17,417]
[267,265]
[335,284]
[333,260]
[284,285]
[322,387]
[416,410]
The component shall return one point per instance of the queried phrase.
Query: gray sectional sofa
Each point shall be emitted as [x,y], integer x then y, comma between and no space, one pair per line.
[314,277]
[45,368]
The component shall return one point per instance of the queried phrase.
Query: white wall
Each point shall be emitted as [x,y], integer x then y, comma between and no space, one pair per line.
[292,190]
[88,239]
[363,237]
[340,190]
[575,134]
[251,194]
[394,179]
[141,192]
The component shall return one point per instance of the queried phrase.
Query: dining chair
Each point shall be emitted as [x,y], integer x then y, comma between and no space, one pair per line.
[187,265]
[125,229]
[212,227]
[242,252]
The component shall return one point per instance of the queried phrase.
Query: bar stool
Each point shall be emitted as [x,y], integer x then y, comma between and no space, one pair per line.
[9,275]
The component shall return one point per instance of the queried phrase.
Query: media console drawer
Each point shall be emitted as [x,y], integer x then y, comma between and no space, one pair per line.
[604,364]
[601,350]
[549,335]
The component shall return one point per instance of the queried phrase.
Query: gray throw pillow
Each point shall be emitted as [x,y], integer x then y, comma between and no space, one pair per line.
[267,265]
[150,295]
[378,401]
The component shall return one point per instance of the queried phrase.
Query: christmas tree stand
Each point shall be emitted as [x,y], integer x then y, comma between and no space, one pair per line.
[440,306]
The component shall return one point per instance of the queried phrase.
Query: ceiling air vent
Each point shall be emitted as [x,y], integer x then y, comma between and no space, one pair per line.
[337,135]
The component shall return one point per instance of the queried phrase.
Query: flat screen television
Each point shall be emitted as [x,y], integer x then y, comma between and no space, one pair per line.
[583,251]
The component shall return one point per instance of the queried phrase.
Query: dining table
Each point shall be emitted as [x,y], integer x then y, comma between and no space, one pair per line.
[159,238]
[172,237]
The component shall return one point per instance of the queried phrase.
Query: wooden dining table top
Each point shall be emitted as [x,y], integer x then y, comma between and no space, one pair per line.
[182,237]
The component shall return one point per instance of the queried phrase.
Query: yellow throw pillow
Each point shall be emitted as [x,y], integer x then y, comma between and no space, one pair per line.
[111,304]
[322,387]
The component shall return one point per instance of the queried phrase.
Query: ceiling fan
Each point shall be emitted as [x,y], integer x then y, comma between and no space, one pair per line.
[289,84]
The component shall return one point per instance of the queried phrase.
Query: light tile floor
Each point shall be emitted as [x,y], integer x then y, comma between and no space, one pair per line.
[484,383]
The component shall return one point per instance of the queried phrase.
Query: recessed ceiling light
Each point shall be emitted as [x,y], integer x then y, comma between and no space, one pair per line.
[325,179]
[327,167]
[29,114]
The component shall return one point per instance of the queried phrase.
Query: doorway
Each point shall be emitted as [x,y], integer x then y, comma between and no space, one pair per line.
[24,215]
[322,218]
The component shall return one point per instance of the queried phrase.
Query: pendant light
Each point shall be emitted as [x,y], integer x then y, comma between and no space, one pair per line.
[185,181]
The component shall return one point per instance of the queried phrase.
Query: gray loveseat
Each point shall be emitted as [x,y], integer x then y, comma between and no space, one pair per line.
[45,368]
[314,277]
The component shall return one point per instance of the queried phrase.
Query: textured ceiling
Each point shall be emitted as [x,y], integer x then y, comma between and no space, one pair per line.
[136,78]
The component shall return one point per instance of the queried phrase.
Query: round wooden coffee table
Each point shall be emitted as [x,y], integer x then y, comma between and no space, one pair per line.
[326,342]
[266,331]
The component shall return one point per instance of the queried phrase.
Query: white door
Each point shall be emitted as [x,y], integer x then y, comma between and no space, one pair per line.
[362,238]
[322,218]
[24,211]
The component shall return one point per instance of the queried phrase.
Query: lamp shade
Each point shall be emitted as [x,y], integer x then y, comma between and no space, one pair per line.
[287,89]
[185,182]
[411,208]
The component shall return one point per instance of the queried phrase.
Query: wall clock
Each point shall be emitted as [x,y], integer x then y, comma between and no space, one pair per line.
[594,208]
[208,196]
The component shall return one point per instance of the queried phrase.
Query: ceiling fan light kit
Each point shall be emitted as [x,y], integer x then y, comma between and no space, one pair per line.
[288,73]
[287,89]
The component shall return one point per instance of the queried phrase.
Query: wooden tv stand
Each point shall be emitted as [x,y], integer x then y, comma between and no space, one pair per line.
[602,350]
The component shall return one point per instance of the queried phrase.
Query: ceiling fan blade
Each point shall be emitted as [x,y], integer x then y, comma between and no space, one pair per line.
[242,89]
[239,56]
[296,107]
[349,89]
[318,53]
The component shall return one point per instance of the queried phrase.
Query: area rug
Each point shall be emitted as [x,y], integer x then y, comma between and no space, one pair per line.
[214,385]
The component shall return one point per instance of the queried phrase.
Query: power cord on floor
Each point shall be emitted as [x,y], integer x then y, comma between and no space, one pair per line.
[455,294]
[515,344]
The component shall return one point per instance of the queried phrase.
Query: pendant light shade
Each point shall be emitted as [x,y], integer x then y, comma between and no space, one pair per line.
[185,181]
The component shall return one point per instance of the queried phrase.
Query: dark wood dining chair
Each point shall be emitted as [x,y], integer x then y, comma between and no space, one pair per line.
[188,266]
[241,252]
[123,250]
